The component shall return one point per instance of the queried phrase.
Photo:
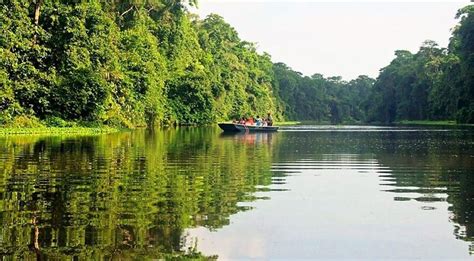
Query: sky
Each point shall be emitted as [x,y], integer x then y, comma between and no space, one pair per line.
[337,38]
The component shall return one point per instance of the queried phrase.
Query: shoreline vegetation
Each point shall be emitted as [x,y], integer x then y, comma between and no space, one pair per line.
[432,123]
[60,131]
[107,130]
[95,130]
[76,66]
[287,123]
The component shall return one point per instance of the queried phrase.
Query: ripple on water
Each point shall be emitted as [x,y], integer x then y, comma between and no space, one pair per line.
[134,195]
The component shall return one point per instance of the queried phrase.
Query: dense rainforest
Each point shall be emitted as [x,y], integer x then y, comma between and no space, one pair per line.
[433,84]
[142,63]
[126,63]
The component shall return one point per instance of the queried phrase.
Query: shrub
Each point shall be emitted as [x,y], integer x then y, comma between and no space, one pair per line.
[25,121]
[54,121]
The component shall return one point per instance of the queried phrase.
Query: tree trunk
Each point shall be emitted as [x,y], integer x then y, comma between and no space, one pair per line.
[38,5]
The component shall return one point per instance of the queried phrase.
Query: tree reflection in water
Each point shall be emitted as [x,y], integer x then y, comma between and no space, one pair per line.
[126,195]
[426,165]
[132,195]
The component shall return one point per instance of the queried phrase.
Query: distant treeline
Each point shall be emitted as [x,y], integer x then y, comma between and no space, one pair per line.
[137,63]
[433,84]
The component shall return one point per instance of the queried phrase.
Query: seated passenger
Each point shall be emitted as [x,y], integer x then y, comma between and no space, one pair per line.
[250,121]
[258,121]
[270,119]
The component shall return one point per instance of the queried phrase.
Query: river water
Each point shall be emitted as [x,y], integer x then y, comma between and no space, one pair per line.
[305,192]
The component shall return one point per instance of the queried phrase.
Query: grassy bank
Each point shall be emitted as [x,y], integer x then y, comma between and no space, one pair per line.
[58,130]
[286,123]
[404,122]
[428,123]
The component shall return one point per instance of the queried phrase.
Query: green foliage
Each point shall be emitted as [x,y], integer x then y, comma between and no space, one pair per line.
[139,63]
[40,130]
[123,194]
[428,122]
[321,99]
[24,121]
[127,64]
[433,84]
[463,46]
[55,121]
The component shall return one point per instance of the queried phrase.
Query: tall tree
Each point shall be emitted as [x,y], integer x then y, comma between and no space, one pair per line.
[462,44]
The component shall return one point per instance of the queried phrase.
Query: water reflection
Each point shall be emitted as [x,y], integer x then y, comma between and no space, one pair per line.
[441,174]
[126,195]
[424,165]
[250,138]
[153,194]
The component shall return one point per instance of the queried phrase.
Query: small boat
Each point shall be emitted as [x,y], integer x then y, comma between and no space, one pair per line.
[234,127]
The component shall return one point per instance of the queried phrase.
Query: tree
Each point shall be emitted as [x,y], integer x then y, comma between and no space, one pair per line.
[462,44]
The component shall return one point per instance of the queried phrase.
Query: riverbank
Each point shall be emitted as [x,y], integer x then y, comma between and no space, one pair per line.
[58,130]
[432,123]
[83,130]
[401,123]
[107,129]
[287,123]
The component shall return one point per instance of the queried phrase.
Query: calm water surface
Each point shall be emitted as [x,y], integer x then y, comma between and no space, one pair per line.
[304,192]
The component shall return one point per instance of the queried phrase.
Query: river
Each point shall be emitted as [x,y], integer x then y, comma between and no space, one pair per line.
[305,192]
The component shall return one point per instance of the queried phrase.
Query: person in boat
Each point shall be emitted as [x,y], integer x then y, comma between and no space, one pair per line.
[242,121]
[250,121]
[258,121]
[269,119]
